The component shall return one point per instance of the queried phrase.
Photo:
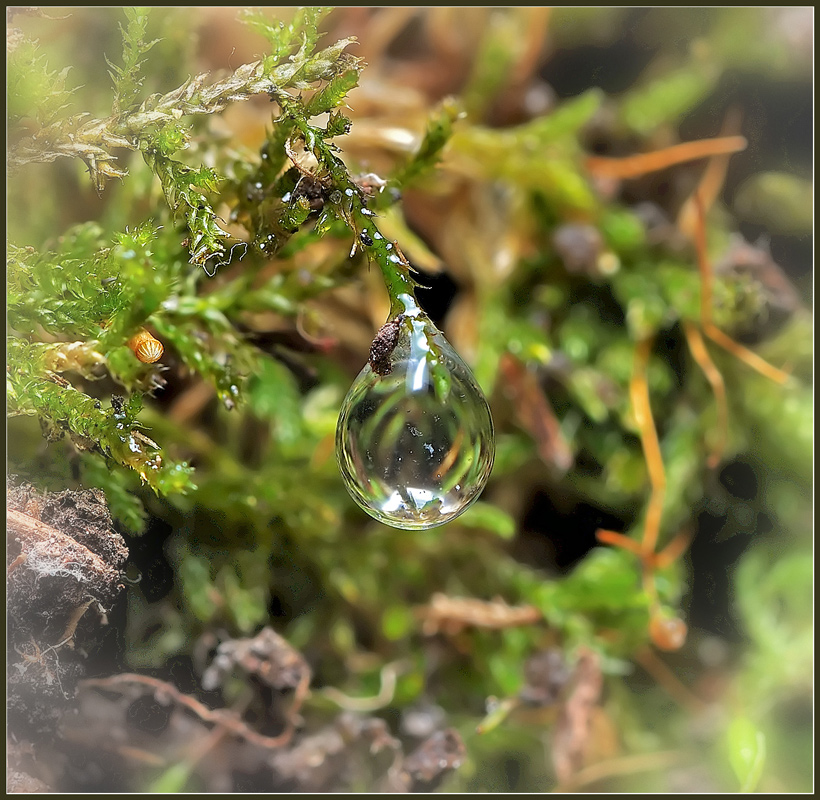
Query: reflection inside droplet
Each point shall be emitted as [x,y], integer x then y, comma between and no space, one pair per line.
[415,446]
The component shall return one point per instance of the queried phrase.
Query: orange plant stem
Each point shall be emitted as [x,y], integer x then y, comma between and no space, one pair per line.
[635,166]
[648,580]
[619,540]
[745,355]
[704,267]
[667,679]
[622,765]
[712,180]
[701,355]
[639,395]
[709,328]
[674,550]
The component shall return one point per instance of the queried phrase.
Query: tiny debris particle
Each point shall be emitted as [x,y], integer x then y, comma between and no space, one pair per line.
[383,346]
[546,676]
[578,246]
[426,766]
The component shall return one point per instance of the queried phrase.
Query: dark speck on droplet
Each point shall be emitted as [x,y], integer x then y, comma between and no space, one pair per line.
[383,346]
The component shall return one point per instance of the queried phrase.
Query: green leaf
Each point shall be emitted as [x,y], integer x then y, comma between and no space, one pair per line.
[333,94]
[113,431]
[397,622]
[564,121]
[302,29]
[186,190]
[506,672]
[242,585]
[208,344]
[771,597]
[606,580]
[502,43]
[173,780]
[622,230]
[272,394]
[438,133]
[747,752]
[542,155]
[127,79]
[32,89]
[778,417]
[324,65]
[665,100]
[70,291]
[195,576]
[119,488]
[487,517]
[783,203]
[646,309]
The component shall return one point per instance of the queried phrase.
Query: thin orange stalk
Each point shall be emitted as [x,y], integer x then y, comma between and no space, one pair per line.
[745,355]
[635,166]
[712,180]
[701,355]
[708,190]
[674,550]
[648,580]
[622,765]
[619,540]
[661,672]
[639,395]
[537,28]
[709,328]
[652,526]
[704,267]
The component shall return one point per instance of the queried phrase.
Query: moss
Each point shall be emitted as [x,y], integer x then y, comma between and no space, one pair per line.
[236,215]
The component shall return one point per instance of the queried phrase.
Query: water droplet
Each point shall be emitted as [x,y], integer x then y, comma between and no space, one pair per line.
[414,441]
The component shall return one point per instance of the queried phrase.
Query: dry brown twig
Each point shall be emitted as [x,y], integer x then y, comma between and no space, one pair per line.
[387,688]
[670,682]
[451,615]
[571,734]
[622,765]
[165,693]
[535,413]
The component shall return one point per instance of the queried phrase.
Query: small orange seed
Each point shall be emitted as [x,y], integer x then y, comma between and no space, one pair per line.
[146,348]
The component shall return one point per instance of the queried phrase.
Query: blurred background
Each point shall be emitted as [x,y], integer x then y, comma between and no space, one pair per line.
[543,274]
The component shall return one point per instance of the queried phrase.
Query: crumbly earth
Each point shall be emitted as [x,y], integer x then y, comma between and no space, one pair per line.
[63,574]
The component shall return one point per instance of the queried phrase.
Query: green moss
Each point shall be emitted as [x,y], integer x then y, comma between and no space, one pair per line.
[248,253]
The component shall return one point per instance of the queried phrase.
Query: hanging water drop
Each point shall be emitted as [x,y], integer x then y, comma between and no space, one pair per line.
[414,441]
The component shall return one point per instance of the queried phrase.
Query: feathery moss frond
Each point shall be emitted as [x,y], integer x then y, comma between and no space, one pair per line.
[127,79]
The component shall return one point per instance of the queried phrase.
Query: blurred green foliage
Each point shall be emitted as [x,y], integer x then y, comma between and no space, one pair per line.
[244,478]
